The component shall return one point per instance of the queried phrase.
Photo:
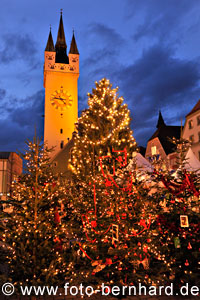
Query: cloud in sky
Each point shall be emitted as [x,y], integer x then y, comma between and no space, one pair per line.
[23,119]
[150,49]
[2,93]
[17,47]
[106,48]
[162,18]
[159,80]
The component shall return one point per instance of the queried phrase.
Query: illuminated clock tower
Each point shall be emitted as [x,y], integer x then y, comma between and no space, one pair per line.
[61,72]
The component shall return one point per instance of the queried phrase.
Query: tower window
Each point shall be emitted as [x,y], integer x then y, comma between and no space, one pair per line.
[61,144]
[61,130]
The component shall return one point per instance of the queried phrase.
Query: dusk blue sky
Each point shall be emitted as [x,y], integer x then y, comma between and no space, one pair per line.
[149,49]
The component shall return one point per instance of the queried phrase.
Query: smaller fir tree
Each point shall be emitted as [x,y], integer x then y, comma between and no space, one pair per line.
[34,230]
[178,223]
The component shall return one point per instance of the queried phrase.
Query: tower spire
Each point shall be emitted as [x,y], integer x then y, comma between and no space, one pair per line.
[73,46]
[161,121]
[61,46]
[50,45]
[61,43]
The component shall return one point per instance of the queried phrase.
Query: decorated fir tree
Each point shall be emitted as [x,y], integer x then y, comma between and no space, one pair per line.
[113,213]
[178,225]
[102,129]
[34,230]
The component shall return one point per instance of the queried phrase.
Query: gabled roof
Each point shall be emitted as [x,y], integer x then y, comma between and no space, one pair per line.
[50,44]
[195,108]
[164,133]
[4,155]
[73,47]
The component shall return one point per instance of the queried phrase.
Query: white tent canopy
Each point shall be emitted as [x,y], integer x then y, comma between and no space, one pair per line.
[191,162]
[141,163]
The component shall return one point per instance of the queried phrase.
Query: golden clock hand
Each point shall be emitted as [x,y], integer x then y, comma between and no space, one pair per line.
[60,99]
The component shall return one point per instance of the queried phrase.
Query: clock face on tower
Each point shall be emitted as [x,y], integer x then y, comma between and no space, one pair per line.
[61,99]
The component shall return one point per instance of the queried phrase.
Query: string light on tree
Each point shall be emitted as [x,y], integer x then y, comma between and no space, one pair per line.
[107,195]
[34,231]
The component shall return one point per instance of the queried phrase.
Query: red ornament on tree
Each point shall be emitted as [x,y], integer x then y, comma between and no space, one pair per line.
[56,216]
[58,242]
[124,216]
[108,261]
[145,249]
[94,224]
[143,223]
[186,263]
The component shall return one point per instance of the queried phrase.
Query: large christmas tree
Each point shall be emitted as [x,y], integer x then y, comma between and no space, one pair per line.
[102,129]
[34,230]
[111,206]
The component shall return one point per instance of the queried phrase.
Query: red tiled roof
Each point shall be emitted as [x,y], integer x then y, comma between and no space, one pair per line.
[195,108]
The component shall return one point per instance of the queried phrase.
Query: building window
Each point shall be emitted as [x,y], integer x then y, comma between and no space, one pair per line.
[198,120]
[153,150]
[192,139]
[61,144]
[61,130]
[190,124]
